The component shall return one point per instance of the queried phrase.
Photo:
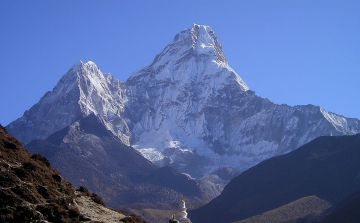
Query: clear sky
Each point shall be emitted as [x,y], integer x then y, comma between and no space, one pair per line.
[292,52]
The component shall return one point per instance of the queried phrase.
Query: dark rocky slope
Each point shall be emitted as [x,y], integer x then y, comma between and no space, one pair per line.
[31,191]
[327,167]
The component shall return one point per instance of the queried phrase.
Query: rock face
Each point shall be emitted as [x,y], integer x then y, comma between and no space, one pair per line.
[327,167]
[187,109]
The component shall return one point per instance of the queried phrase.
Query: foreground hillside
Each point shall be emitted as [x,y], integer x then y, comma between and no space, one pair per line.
[327,169]
[31,191]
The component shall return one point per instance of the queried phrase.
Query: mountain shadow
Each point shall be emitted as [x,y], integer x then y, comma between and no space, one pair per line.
[86,153]
[327,167]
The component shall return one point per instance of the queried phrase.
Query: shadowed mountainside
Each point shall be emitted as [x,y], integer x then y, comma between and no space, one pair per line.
[327,167]
[86,153]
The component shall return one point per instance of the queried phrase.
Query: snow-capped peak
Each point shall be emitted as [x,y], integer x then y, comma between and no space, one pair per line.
[77,65]
[200,39]
[205,41]
[71,78]
[195,55]
[187,108]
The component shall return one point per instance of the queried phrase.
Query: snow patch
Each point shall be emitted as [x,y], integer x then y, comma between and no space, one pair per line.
[151,154]
[339,122]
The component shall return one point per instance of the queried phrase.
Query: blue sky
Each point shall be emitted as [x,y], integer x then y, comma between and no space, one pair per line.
[292,52]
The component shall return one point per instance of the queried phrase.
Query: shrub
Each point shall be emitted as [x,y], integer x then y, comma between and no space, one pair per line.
[132,219]
[38,157]
[120,211]
[97,199]
[74,213]
[43,191]
[57,177]
[83,190]
[29,166]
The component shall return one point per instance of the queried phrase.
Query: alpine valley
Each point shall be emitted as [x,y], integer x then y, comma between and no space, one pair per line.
[187,109]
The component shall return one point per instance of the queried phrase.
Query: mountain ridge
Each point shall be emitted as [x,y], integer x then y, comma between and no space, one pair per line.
[88,154]
[187,109]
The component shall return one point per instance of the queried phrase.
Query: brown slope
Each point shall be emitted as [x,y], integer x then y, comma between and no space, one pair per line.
[289,213]
[348,210]
[326,167]
[31,191]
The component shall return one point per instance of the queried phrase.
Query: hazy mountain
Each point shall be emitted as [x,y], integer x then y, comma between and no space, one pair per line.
[187,109]
[327,168]
[86,153]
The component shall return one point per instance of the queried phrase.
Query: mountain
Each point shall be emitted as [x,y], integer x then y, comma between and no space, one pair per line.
[187,109]
[83,90]
[327,168]
[206,116]
[88,154]
[31,191]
